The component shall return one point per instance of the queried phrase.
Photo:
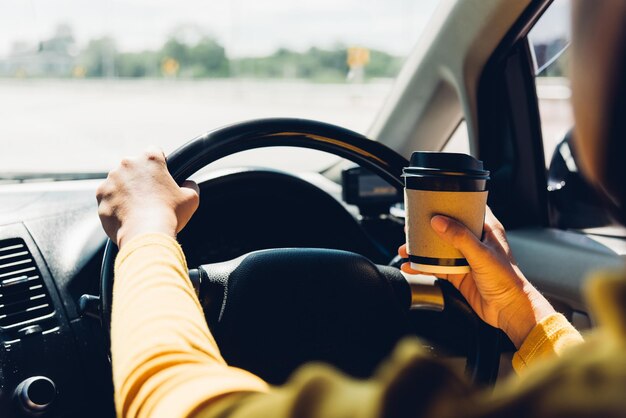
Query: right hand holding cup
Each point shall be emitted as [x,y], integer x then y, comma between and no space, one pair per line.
[495,287]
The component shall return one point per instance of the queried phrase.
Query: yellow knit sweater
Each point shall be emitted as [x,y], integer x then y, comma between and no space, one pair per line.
[166,363]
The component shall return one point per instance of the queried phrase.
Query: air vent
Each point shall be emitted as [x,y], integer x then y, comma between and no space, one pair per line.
[24,298]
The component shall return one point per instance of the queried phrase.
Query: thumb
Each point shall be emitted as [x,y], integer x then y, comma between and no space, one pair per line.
[461,238]
[190,189]
[190,202]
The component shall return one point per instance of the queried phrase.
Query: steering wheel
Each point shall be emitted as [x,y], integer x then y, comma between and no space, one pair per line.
[274,310]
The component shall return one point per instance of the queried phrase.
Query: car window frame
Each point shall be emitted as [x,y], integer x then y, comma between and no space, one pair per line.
[509,128]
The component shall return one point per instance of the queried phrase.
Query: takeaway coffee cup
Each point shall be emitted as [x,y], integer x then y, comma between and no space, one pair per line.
[439,183]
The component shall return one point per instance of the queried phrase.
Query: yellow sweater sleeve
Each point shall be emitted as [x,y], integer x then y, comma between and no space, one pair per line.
[165,360]
[549,338]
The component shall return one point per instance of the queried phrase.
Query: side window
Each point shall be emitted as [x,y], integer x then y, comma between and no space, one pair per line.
[549,41]
[573,202]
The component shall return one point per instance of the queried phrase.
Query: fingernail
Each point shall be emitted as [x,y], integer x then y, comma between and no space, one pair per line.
[440,223]
[406,267]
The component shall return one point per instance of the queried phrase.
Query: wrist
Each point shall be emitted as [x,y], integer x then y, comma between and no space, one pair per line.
[146,224]
[521,317]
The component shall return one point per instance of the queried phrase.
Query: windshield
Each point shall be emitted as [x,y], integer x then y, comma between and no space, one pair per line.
[86,82]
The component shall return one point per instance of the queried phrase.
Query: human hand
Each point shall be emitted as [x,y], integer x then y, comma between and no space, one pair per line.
[140,196]
[495,287]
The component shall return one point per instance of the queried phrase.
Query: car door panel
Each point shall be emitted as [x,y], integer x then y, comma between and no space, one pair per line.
[559,262]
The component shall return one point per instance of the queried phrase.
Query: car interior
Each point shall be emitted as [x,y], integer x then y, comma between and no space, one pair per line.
[311,258]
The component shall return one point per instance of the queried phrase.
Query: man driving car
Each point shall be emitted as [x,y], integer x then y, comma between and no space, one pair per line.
[167,364]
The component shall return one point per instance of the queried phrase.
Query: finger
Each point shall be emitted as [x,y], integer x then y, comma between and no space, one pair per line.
[125,163]
[494,231]
[461,283]
[448,277]
[402,252]
[190,203]
[491,222]
[455,277]
[489,213]
[406,267]
[190,185]
[461,238]
[155,154]
[101,191]
[191,194]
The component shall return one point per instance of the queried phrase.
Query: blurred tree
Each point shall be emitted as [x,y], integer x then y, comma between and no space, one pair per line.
[317,64]
[98,57]
[197,55]
[209,59]
[137,64]
[205,58]
[177,50]
[382,65]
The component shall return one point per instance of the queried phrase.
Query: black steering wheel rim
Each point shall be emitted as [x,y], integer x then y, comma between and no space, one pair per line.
[288,132]
[261,133]
[302,133]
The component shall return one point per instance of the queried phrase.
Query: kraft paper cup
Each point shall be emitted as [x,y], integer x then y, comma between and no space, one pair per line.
[450,184]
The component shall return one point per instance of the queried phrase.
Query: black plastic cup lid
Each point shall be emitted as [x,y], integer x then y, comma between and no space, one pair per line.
[445,164]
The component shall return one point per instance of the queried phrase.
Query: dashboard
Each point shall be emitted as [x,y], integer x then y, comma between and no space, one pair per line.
[52,356]
[54,360]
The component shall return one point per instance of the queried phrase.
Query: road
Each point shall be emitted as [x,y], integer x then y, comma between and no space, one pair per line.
[88,125]
[91,124]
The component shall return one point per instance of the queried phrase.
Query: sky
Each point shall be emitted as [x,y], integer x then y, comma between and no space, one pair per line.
[245,27]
